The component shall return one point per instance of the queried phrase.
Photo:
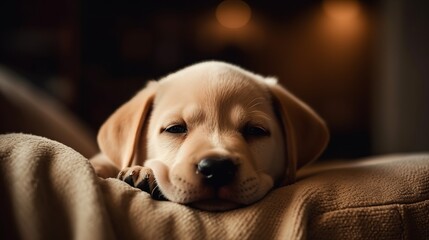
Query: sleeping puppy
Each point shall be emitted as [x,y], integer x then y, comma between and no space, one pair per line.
[212,136]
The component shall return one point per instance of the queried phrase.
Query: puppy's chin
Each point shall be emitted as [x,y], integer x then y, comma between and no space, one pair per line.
[216,205]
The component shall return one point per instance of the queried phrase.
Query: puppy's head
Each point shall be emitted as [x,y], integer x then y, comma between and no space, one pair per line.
[216,136]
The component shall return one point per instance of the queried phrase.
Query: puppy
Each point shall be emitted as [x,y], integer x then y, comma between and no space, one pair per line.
[212,136]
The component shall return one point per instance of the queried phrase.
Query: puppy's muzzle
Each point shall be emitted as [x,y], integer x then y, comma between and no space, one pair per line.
[217,172]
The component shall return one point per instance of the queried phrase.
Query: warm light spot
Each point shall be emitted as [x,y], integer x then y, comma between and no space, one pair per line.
[341,10]
[233,13]
[343,21]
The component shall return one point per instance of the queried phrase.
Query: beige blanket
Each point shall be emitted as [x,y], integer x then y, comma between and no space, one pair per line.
[49,191]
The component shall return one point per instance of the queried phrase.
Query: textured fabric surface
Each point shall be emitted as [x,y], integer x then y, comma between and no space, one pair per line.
[49,191]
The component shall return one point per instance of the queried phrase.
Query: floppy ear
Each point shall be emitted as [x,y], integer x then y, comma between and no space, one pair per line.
[118,136]
[306,133]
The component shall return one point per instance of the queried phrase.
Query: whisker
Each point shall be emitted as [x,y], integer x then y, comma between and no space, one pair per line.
[156,192]
[253,103]
[261,115]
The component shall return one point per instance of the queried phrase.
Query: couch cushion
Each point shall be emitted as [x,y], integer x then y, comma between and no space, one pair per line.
[50,191]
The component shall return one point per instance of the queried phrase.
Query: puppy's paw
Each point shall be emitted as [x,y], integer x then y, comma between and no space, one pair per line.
[141,178]
[138,176]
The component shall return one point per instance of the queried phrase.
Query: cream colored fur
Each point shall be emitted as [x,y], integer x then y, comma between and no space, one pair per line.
[215,101]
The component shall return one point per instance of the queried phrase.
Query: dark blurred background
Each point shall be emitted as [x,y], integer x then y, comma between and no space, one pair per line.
[363,65]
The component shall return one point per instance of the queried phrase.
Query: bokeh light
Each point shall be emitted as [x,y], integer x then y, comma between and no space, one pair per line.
[233,13]
[341,10]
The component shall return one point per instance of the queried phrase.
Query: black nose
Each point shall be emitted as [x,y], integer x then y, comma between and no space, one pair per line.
[217,172]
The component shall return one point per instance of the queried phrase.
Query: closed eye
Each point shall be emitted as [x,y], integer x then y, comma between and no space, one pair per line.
[250,131]
[176,129]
